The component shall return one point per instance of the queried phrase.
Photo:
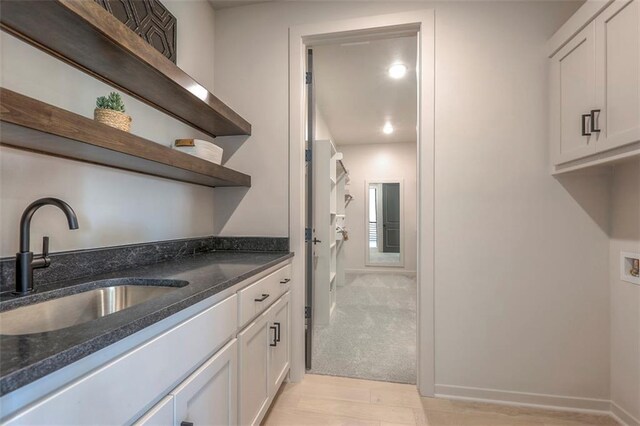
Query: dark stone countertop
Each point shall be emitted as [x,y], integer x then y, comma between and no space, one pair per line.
[26,358]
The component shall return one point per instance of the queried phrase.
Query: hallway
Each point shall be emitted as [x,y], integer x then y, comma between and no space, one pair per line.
[373,330]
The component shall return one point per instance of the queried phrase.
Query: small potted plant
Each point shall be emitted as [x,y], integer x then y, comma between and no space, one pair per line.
[110,111]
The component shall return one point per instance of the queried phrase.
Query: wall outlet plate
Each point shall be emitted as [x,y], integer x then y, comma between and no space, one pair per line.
[627,260]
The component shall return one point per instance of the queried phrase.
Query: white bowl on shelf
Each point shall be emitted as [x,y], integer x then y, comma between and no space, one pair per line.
[201,149]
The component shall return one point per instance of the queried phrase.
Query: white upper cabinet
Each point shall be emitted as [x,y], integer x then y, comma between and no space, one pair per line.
[595,86]
[618,74]
[573,76]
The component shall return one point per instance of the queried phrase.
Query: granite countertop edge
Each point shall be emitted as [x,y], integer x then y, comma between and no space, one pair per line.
[23,376]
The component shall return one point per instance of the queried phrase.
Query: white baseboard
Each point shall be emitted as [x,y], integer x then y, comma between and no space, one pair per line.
[534,400]
[622,416]
[376,270]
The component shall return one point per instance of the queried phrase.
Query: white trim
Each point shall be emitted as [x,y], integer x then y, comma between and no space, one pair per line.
[367,251]
[622,416]
[380,271]
[535,400]
[525,399]
[421,22]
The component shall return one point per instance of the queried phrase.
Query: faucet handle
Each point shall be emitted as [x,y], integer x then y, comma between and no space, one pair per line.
[45,246]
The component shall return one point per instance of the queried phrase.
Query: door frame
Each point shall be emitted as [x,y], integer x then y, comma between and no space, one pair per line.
[367,259]
[421,23]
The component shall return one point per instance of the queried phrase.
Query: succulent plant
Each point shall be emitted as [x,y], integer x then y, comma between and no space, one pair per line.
[113,102]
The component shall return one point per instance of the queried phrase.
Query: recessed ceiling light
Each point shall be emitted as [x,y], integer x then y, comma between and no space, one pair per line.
[387,129]
[397,71]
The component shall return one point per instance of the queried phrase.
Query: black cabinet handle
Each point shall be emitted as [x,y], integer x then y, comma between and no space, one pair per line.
[275,334]
[277,324]
[584,124]
[186,424]
[286,280]
[261,299]
[594,128]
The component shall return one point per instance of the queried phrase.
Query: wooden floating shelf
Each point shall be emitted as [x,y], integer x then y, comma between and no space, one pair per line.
[27,123]
[83,34]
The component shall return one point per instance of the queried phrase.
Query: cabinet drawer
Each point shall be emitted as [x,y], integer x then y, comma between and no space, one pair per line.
[118,391]
[254,299]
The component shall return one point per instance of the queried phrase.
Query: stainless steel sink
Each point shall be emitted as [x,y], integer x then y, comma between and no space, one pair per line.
[74,309]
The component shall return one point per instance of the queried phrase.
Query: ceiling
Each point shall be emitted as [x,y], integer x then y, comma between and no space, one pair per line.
[224,4]
[356,96]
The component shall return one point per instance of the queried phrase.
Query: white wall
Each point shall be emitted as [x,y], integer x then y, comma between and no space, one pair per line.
[521,268]
[113,207]
[379,161]
[321,130]
[625,297]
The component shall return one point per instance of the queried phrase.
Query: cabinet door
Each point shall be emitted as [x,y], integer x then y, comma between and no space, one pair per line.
[253,371]
[209,396]
[618,74]
[160,415]
[279,355]
[572,96]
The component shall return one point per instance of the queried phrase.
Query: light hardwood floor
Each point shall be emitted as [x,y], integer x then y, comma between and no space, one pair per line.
[327,401]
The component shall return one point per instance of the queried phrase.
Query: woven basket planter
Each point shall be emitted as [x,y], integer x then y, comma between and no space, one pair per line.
[116,119]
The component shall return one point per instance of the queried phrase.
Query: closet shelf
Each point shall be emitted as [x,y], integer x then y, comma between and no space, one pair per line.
[85,35]
[36,126]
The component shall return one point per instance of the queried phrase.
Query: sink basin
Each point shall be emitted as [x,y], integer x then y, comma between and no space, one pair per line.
[78,308]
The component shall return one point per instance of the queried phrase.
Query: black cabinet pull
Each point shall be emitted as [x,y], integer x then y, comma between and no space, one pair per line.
[584,124]
[186,424]
[275,334]
[286,280]
[277,324]
[594,128]
[261,299]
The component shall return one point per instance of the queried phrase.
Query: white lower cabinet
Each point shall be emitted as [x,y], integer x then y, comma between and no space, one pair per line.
[162,414]
[264,360]
[118,391]
[218,376]
[279,354]
[209,395]
[254,387]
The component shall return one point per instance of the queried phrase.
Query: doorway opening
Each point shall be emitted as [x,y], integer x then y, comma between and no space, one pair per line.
[421,24]
[361,132]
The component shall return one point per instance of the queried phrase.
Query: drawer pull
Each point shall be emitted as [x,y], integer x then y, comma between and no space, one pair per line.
[286,280]
[262,299]
[277,324]
[275,336]
[186,424]
[584,124]
[594,123]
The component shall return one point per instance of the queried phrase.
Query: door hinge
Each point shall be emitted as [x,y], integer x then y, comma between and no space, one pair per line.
[307,77]
[308,155]
[307,234]
[307,312]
